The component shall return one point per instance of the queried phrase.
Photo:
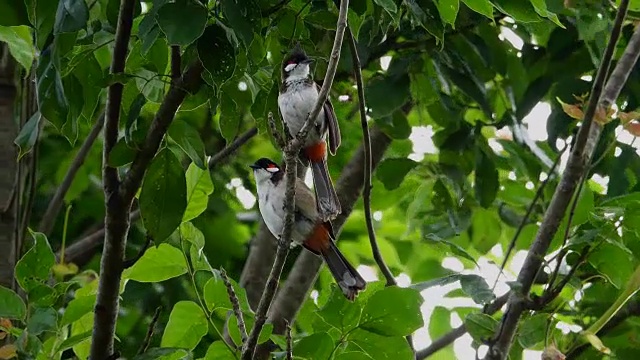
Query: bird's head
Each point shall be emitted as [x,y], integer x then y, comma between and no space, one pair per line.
[265,169]
[296,64]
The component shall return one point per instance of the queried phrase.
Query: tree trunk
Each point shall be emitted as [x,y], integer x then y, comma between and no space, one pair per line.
[8,168]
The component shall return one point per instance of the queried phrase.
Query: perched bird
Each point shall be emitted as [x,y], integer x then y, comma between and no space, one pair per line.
[309,230]
[298,96]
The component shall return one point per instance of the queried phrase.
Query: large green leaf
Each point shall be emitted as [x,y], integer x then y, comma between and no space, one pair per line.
[34,267]
[315,346]
[391,172]
[244,17]
[52,100]
[533,330]
[188,139]
[28,135]
[219,351]
[480,326]
[182,22]
[186,327]
[157,264]
[483,7]
[380,347]
[217,53]
[11,305]
[393,311]
[163,198]
[71,16]
[385,94]
[476,287]
[448,10]
[199,187]
[41,320]
[77,308]
[230,117]
[20,43]
[486,181]
[13,13]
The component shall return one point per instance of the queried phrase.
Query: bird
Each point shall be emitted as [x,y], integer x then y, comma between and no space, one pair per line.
[297,98]
[309,230]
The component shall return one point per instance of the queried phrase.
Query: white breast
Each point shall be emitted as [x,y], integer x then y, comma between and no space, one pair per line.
[295,105]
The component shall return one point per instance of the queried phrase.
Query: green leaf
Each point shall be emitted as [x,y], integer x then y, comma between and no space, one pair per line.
[486,179]
[486,229]
[182,22]
[533,330]
[28,135]
[33,269]
[219,351]
[395,125]
[77,308]
[436,282]
[380,347]
[217,54]
[192,234]
[353,355]
[186,327]
[215,295]
[163,198]
[20,43]
[71,16]
[448,10]
[11,305]
[541,8]
[199,187]
[13,13]
[521,11]
[165,353]
[476,287]
[244,17]
[157,264]
[385,94]
[315,346]
[480,326]
[340,313]
[393,311]
[483,7]
[229,117]
[425,13]
[440,322]
[388,5]
[392,171]
[234,331]
[188,139]
[52,100]
[41,320]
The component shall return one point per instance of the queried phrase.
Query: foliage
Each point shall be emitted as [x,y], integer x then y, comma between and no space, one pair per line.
[450,73]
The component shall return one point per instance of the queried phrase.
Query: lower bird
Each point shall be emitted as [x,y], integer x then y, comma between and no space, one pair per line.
[309,229]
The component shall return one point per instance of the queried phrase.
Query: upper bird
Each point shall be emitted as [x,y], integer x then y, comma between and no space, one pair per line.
[298,96]
[308,229]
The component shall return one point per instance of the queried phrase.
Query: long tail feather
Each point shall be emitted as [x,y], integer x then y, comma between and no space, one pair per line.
[343,272]
[326,197]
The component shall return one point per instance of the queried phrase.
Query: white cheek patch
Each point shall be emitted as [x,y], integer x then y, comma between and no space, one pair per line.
[272,169]
[289,67]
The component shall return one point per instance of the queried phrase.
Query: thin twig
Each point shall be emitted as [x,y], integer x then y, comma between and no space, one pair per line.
[448,338]
[231,148]
[50,215]
[150,330]
[130,262]
[578,161]
[117,212]
[291,152]
[289,341]
[277,136]
[525,219]
[236,306]
[553,291]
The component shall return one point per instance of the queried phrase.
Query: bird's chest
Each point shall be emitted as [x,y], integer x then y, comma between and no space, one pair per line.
[272,209]
[296,103]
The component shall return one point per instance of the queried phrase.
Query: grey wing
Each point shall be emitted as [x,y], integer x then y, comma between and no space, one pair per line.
[305,201]
[333,127]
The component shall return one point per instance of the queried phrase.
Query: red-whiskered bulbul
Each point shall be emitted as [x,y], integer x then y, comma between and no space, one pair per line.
[298,96]
[309,230]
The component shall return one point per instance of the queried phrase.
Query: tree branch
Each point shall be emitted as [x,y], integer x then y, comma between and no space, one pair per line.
[150,330]
[231,148]
[236,305]
[117,211]
[454,334]
[291,152]
[50,215]
[174,97]
[578,161]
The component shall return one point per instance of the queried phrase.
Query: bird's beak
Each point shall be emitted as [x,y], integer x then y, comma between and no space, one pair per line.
[307,61]
[255,167]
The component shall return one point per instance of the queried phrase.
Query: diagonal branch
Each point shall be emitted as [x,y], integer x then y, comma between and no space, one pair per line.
[50,215]
[174,97]
[458,332]
[231,148]
[291,152]
[576,166]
